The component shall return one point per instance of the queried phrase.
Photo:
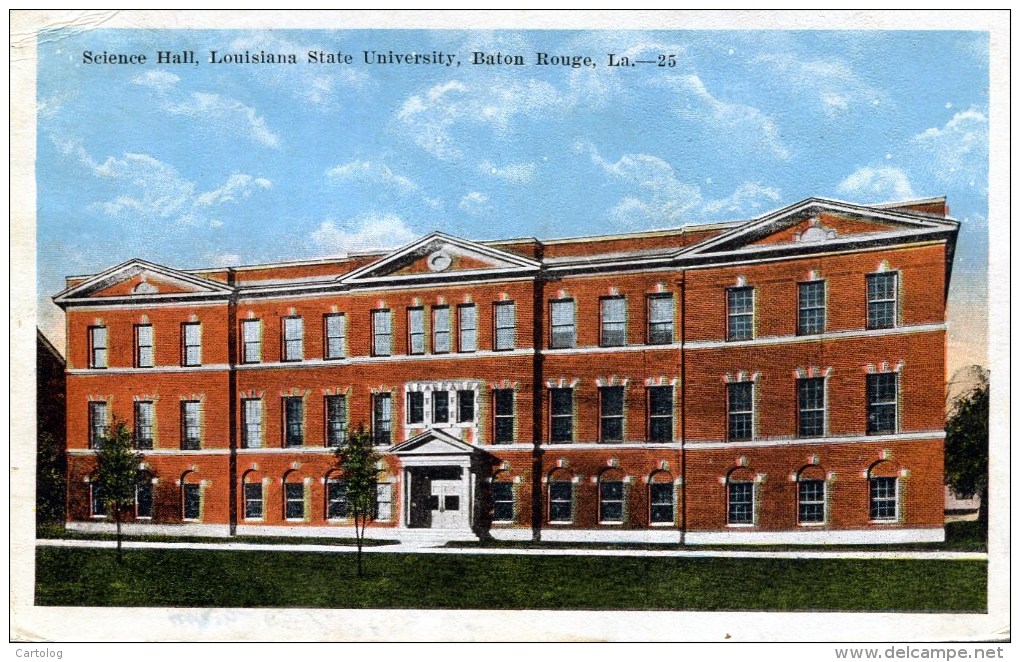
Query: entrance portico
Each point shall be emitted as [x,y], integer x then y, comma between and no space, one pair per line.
[440,478]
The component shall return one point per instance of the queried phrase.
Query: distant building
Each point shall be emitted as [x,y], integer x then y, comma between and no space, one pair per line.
[775,380]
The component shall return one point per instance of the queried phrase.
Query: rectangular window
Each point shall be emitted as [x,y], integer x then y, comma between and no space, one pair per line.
[415,407]
[192,501]
[294,501]
[661,497]
[561,501]
[883,499]
[251,410]
[336,335]
[811,407]
[336,499]
[503,416]
[97,423]
[611,413]
[740,313]
[143,499]
[336,420]
[192,338]
[293,338]
[293,421]
[383,501]
[660,413]
[614,322]
[610,501]
[502,502]
[468,315]
[882,401]
[811,307]
[253,500]
[251,341]
[740,405]
[382,333]
[144,357]
[564,333]
[97,500]
[882,300]
[145,414]
[441,330]
[191,425]
[660,319]
[440,407]
[382,418]
[505,316]
[97,346]
[465,406]
[741,503]
[811,501]
[415,330]
[561,406]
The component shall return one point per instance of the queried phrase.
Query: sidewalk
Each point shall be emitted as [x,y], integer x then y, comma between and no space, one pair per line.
[425,548]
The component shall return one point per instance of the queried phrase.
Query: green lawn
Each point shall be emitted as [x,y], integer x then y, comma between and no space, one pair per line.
[206,578]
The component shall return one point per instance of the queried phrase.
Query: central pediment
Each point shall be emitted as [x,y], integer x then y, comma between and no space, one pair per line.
[433,442]
[441,256]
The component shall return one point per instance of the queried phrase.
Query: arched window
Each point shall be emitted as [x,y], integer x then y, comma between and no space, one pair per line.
[191,497]
[811,495]
[611,499]
[143,496]
[884,492]
[661,497]
[253,495]
[293,497]
[561,496]
[336,498]
[740,497]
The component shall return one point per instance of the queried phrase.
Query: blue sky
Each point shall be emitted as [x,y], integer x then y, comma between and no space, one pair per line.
[222,164]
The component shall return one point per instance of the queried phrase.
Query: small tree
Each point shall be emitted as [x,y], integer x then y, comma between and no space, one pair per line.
[117,472]
[50,485]
[357,462]
[967,444]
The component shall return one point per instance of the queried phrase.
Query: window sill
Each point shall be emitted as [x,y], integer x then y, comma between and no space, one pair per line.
[191,519]
[333,358]
[661,524]
[558,523]
[884,522]
[812,524]
[254,519]
[503,522]
[740,526]
[294,519]
[97,516]
[147,519]
[610,523]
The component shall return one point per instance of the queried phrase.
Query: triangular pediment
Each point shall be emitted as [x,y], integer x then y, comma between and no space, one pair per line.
[433,442]
[440,256]
[141,279]
[818,222]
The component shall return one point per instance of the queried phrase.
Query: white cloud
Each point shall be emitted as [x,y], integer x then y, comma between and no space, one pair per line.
[372,173]
[512,173]
[476,203]
[223,259]
[151,190]
[867,184]
[158,80]
[431,118]
[830,81]
[369,232]
[744,124]
[237,186]
[748,197]
[226,113]
[958,152]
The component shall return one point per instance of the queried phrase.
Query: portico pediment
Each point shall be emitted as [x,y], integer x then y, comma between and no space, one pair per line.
[433,442]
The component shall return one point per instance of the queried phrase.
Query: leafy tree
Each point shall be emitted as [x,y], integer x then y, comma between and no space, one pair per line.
[967,444]
[50,484]
[117,472]
[357,464]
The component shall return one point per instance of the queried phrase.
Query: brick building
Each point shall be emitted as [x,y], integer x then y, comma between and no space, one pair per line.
[775,380]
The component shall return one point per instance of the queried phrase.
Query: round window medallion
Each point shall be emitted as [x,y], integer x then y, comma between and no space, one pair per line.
[440,261]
